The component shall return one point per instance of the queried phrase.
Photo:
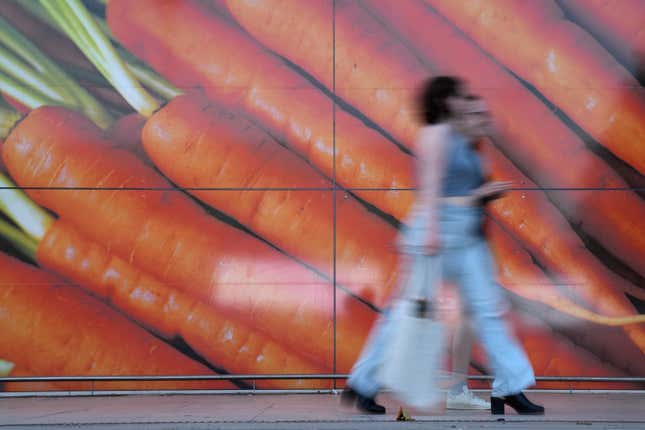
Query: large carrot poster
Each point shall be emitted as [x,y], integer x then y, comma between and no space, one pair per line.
[204,187]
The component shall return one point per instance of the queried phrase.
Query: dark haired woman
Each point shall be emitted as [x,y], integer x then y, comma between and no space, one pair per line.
[446,218]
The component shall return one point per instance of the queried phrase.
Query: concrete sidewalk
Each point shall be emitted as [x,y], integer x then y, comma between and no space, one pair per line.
[305,411]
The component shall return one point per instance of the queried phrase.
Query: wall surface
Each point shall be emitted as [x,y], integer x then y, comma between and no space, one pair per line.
[248,226]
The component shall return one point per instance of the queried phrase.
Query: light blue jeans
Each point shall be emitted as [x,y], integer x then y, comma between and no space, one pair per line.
[466,260]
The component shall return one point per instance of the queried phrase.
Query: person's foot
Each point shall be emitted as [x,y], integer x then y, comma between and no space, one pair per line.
[363,403]
[519,402]
[367,404]
[465,400]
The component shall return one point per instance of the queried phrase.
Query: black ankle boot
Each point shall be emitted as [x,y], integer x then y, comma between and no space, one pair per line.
[519,402]
[350,397]
[367,404]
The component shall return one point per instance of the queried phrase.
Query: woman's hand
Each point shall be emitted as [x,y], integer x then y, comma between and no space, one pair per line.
[492,190]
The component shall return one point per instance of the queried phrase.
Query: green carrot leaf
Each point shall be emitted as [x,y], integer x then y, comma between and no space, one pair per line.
[18,207]
[8,118]
[23,61]
[81,27]
[23,243]
[27,96]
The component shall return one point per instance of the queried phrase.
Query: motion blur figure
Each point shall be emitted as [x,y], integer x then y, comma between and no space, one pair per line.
[446,220]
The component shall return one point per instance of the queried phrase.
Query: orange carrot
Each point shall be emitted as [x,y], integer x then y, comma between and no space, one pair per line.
[617,24]
[222,341]
[372,70]
[551,354]
[552,351]
[520,275]
[564,63]
[530,134]
[50,328]
[138,216]
[35,386]
[200,145]
[555,353]
[235,71]
[539,226]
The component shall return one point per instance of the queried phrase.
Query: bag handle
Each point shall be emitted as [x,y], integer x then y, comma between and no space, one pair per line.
[423,308]
[423,304]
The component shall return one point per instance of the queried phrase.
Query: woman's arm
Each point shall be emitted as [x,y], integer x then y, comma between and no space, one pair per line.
[489,190]
[430,168]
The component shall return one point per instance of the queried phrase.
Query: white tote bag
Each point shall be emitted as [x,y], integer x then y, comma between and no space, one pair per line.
[413,358]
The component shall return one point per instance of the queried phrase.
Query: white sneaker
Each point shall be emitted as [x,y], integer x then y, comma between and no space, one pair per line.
[465,400]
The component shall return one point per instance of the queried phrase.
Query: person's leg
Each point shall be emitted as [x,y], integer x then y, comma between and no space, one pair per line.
[475,275]
[362,384]
[364,375]
[462,345]
[417,281]
[459,397]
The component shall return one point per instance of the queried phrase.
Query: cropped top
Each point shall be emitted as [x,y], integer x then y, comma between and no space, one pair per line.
[462,174]
[463,170]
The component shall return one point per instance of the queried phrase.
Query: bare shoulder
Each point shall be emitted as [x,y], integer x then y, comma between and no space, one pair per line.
[433,136]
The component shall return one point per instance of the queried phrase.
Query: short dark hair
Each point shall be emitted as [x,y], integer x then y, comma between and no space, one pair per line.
[432,100]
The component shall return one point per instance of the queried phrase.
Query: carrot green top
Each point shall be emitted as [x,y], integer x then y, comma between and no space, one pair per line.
[141,71]
[78,23]
[27,75]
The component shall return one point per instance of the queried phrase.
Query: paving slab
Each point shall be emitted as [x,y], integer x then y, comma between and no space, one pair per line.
[307,411]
